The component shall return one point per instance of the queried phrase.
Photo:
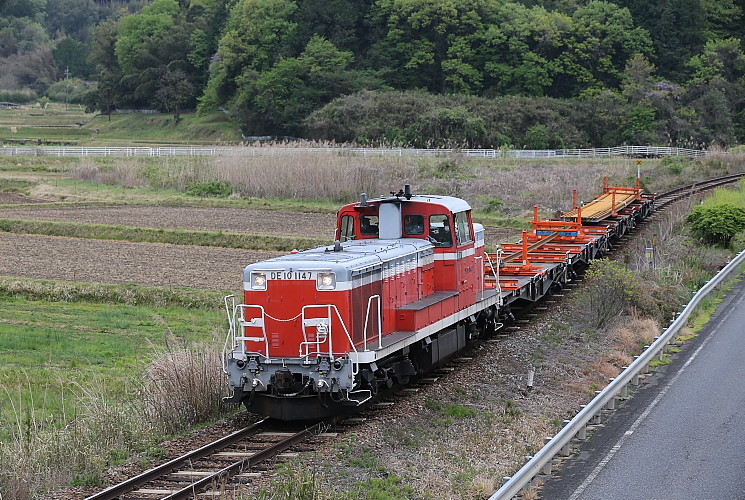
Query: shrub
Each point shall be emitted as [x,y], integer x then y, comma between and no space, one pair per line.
[610,287]
[717,224]
[212,189]
[18,96]
[70,90]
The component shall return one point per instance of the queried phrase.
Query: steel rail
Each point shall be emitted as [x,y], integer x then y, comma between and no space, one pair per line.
[542,459]
[168,467]
[237,467]
[675,194]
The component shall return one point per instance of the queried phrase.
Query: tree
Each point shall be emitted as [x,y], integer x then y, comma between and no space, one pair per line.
[715,91]
[601,42]
[74,18]
[433,44]
[175,91]
[72,55]
[258,34]
[520,50]
[277,100]
[140,35]
[677,29]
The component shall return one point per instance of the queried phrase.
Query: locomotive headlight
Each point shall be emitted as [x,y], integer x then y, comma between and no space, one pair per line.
[326,281]
[258,281]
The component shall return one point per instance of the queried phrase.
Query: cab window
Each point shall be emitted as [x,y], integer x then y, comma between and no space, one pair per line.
[413,224]
[439,231]
[347,228]
[369,225]
[463,228]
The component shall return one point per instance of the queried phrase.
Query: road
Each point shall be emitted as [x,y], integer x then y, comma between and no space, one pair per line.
[682,436]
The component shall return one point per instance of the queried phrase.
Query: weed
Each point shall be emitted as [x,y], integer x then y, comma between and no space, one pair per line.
[389,488]
[666,360]
[459,411]
[15,186]
[294,483]
[159,235]
[682,339]
[360,456]
[214,189]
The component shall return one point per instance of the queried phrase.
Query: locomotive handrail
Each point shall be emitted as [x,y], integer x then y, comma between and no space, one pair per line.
[367,321]
[497,285]
[355,366]
[542,459]
[242,321]
[229,306]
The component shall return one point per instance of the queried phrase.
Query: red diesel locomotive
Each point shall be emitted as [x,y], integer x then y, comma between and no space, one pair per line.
[406,284]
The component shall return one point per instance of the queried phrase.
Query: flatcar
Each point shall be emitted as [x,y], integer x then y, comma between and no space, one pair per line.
[406,285]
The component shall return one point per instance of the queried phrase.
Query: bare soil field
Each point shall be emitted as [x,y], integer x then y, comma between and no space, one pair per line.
[232,220]
[17,198]
[59,258]
[47,257]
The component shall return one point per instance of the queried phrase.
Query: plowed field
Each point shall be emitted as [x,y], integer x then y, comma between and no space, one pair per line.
[232,220]
[34,256]
[49,257]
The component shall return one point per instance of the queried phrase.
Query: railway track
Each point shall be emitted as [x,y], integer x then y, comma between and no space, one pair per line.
[665,198]
[210,468]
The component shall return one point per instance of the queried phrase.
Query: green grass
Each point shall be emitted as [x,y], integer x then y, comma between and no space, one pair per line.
[55,125]
[49,350]
[102,293]
[153,235]
[15,186]
[734,195]
[161,128]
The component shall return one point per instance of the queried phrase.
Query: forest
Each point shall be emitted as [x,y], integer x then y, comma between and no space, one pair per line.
[422,73]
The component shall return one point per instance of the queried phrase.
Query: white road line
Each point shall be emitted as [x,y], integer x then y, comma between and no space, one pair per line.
[582,487]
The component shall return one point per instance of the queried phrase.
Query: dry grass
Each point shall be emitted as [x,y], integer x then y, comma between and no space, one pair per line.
[185,387]
[635,333]
[41,454]
[513,185]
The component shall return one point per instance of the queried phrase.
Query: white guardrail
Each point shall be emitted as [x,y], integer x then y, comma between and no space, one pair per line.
[83,151]
[561,442]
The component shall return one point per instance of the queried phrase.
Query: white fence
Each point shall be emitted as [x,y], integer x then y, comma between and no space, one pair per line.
[83,151]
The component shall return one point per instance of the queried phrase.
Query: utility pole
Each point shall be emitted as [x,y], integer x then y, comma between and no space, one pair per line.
[67,87]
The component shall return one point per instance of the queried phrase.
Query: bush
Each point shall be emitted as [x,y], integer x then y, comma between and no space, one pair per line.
[610,287]
[71,90]
[18,96]
[424,120]
[212,189]
[717,224]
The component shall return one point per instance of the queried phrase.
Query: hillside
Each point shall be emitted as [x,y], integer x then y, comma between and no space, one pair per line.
[669,73]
